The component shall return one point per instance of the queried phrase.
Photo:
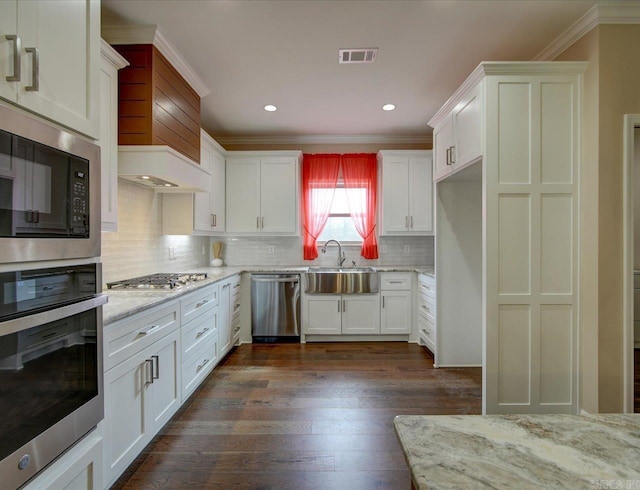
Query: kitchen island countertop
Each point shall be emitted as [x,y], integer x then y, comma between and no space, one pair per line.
[521,451]
[124,303]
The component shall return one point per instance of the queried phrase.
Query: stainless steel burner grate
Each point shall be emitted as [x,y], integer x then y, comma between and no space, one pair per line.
[158,281]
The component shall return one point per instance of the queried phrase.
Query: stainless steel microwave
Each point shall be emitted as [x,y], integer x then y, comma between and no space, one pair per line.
[49,192]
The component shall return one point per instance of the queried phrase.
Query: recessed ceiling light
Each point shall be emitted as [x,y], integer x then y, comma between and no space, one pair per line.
[388,107]
[168,185]
[270,108]
[145,177]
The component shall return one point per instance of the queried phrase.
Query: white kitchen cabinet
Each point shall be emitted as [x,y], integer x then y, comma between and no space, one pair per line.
[110,63]
[335,314]
[142,392]
[457,138]
[407,192]
[426,309]
[262,192]
[396,303]
[507,236]
[229,313]
[200,213]
[56,70]
[79,468]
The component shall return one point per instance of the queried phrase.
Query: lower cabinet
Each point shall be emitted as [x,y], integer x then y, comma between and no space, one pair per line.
[229,313]
[427,333]
[80,468]
[335,314]
[141,394]
[396,303]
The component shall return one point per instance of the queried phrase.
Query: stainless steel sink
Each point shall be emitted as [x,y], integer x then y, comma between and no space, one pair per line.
[342,280]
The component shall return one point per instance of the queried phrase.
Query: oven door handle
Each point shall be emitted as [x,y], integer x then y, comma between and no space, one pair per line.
[52,315]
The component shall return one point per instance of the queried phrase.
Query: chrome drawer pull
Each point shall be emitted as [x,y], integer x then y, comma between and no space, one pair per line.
[202,303]
[35,70]
[16,58]
[150,377]
[148,330]
[202,332]
[204,363]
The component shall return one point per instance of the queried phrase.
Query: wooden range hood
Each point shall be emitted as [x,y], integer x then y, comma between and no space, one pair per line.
[158,113]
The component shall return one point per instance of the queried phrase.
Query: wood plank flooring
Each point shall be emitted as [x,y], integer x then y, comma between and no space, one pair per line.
[302,416]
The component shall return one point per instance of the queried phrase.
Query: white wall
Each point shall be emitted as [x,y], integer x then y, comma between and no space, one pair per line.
[139,247]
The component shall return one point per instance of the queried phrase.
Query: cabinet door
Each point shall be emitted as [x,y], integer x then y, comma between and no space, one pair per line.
[224,316]
[442,142]
[395,312]
[322,314]
[126,428]
[8,27]
[395,203]
[278,203]
[243,195]
[361,314]
[467,123]
[109,144]
[202,214]
[218,192]
[163,394]
[420,194]
[67,36]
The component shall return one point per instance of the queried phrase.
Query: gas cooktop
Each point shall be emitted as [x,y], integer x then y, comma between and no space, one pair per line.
[159,281]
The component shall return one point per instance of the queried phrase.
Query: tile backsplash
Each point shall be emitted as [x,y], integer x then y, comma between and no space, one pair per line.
[288,251]
[139,247]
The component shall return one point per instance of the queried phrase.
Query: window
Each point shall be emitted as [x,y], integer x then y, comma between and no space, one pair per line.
[339,225]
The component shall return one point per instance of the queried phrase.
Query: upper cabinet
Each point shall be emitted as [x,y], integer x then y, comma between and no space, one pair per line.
[457,136]
[110,63]
[263,192]
[407,192]
[200,213]
[49,60]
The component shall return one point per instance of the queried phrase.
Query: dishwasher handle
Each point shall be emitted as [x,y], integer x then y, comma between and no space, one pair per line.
[294,280]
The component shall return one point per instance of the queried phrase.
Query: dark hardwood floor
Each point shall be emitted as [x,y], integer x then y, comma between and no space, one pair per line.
[310,416]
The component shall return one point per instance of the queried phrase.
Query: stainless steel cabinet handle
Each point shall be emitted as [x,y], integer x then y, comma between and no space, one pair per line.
[395,282]
[35,70]
[226,285]
[204,363]
[157,375]
[213,220]
[412,222]
[452,154]
[202,303]
[383,301]
[258,222]
[406,221]
[16,57]
[147,330]
[150,377]
[236,286]
[202,332]
[338,306]
[448,153]
[262,221]
[344,305]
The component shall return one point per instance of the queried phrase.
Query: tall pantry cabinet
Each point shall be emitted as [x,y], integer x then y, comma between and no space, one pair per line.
[507,233]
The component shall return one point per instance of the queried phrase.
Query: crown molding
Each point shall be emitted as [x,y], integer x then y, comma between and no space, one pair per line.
[325,140]
[150,34]
[610,12]
[112,56]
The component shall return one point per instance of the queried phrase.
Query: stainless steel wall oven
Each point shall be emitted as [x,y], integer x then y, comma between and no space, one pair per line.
[50,365]
[49,192]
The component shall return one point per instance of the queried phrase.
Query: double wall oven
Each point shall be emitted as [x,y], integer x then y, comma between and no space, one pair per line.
[50,294]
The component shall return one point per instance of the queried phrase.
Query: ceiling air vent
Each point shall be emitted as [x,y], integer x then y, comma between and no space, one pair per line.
[357,55]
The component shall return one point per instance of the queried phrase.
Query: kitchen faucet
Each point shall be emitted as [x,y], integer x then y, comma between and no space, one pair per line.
[341,257]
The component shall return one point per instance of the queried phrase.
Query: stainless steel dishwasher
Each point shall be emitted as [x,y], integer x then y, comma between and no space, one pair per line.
[275,307]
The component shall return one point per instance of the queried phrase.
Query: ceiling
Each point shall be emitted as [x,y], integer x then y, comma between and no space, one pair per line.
[251,53]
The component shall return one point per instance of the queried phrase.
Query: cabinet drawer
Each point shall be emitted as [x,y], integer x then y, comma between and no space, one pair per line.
[235,286]
[427,333]
[427,285]
[198,331]
[426,307]
[196,303]
[130,335]
[395,281]
[198,366]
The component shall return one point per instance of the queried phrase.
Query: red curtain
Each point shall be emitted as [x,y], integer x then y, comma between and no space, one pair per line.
[360,172]
[319,178]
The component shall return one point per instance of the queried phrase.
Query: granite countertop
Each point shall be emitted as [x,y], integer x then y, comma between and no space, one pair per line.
[124,303]
[521,451]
